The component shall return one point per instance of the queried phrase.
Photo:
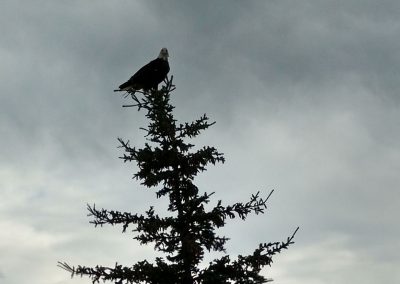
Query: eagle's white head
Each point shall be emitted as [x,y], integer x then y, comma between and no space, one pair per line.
[164,54]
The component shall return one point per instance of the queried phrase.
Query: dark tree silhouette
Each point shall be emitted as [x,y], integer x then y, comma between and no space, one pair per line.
[168,163]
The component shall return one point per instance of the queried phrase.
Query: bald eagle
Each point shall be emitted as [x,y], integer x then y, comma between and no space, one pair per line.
[149,76]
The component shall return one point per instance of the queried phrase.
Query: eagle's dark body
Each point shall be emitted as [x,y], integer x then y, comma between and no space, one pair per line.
[150,75]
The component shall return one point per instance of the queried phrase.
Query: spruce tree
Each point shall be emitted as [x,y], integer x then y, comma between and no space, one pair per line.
[168,163]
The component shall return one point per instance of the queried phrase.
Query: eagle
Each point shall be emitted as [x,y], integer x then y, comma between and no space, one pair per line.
[149,76]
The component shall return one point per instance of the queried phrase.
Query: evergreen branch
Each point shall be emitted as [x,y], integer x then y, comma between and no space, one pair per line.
[274,248]
[245,269]
[141,272]
[169,87]
[128,149]
[140,103]
[158,165]
[151,223]
[193,129]
[66,267]
[256,205]
[205,156]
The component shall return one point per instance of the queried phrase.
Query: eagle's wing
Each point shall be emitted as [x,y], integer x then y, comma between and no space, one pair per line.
[141,77]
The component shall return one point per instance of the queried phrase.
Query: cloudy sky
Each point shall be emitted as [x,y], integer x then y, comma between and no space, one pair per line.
[306,99]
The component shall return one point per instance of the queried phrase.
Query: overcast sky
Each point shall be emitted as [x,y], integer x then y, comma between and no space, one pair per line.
[306,96]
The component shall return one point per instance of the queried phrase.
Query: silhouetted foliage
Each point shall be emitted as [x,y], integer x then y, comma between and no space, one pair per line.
[168,163]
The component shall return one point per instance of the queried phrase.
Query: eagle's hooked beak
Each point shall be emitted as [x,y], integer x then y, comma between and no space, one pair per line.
[164,54]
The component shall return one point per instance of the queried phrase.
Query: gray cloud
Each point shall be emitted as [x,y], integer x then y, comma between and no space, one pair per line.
[305,99]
